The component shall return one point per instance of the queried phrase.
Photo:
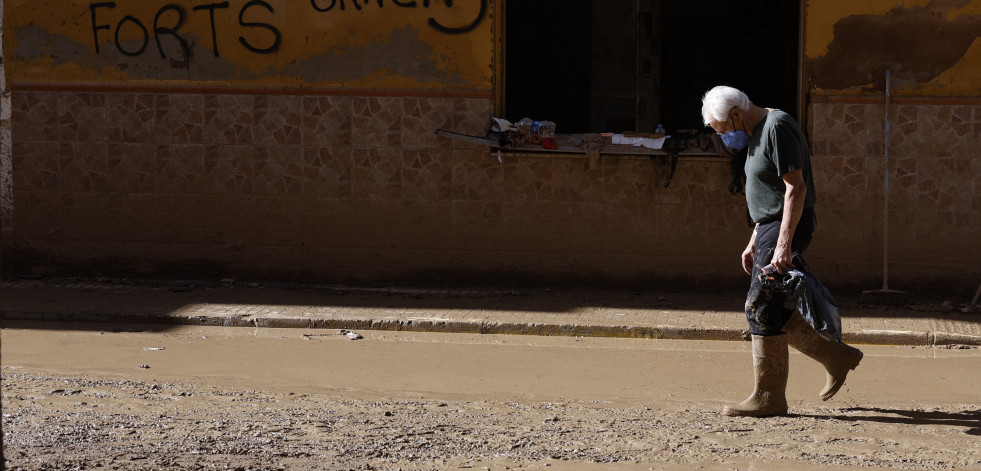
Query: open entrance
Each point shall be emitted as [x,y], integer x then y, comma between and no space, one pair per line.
[628,65]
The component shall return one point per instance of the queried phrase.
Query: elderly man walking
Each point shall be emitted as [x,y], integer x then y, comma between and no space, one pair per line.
[780,196]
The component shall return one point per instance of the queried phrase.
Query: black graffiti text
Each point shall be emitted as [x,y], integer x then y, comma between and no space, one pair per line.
[324,6]
[259,37]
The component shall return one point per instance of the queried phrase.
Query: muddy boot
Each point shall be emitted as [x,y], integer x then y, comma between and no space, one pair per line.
[770,365]
[837,358]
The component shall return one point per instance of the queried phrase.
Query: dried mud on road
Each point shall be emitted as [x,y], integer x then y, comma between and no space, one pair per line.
[121,416]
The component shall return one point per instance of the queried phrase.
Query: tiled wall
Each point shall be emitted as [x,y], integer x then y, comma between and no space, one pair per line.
[934,193]
[337,188]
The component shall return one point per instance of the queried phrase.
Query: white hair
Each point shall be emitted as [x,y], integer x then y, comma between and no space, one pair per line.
[719,101]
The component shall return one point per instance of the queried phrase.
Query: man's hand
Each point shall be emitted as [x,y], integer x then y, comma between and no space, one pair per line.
[782,259]
[748,259]
[748,254]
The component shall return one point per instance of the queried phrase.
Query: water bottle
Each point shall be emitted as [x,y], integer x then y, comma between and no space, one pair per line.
[546,129]
[524,126]
[659,132]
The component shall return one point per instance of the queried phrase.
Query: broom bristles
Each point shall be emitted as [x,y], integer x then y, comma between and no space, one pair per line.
[884,297]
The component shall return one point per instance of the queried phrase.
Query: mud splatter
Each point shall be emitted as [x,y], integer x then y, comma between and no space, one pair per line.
[917,43]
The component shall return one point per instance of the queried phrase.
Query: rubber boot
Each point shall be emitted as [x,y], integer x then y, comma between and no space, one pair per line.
[770,365]
[837,358]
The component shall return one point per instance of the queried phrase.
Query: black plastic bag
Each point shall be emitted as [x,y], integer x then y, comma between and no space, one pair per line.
[813,300]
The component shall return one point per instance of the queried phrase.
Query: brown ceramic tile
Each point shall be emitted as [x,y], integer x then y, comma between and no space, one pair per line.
[328,222]
[578,227]
[183,219]
[471,116]
[576,181]
[477,224]
[228,169]
[476,176]
[327,121]
[133,217]
[903,130]
[703,230]
[228,119]
[40,215]
[180,169]
[377,122]
[694,182]
[528,179]
[379,223]
[327,172]
[278,120]
[528,225]
[377,173]
[976,185]
[427,174]
[941,184]
[628,179]
[840,182]
[946,131]
[34,116]
[84,166]
[132,167]
[275,221]
[231,219]
[946,233]
[427,224]
[423,116]
[630,228]
[278,171]
[902,183]
[36,165]
[82,116]
[839,129]
[86,217]
[842,234]
[179,119]
[130,117]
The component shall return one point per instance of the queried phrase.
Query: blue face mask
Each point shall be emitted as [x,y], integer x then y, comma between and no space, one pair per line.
[735,140]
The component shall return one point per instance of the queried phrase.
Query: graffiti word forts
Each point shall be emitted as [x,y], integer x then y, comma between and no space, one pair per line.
[170,18]
[324,6]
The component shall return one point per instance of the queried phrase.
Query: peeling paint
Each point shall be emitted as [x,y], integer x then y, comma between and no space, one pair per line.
[919,44]
[266,43]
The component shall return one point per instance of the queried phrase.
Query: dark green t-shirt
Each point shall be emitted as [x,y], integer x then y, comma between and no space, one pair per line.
[776,147]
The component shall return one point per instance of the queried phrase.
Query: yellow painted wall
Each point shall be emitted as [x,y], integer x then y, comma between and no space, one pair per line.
[359,44]
[930,46]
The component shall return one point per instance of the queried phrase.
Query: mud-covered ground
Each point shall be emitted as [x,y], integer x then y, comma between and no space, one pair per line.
[212,398]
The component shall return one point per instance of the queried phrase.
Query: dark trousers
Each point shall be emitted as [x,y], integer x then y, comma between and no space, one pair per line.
[766,310]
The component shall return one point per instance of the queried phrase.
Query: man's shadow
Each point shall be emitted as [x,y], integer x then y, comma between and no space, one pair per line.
[969,419]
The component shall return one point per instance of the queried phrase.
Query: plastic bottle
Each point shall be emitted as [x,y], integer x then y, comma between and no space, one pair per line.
[659,132]
[546,129]
[524,125]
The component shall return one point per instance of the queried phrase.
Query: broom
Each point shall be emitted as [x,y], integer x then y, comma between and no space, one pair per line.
[885,296]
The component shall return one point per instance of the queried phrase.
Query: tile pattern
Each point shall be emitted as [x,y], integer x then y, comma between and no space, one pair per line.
[357,186]
[933,195]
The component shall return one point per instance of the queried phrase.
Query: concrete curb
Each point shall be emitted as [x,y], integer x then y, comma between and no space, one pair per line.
[478,326]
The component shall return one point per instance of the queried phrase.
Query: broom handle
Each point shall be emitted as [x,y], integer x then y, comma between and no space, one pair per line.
[885,203]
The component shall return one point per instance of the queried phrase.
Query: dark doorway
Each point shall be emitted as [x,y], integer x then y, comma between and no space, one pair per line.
[628,65]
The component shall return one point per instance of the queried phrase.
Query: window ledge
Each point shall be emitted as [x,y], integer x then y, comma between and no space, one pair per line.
[583,146]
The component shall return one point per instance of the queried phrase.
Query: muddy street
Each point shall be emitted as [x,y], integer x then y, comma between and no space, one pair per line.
[97,396]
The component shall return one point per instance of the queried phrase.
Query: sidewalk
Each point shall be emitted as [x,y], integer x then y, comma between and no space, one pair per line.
[533,311]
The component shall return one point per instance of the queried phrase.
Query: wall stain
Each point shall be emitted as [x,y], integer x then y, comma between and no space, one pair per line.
[402,53]
[917,44]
